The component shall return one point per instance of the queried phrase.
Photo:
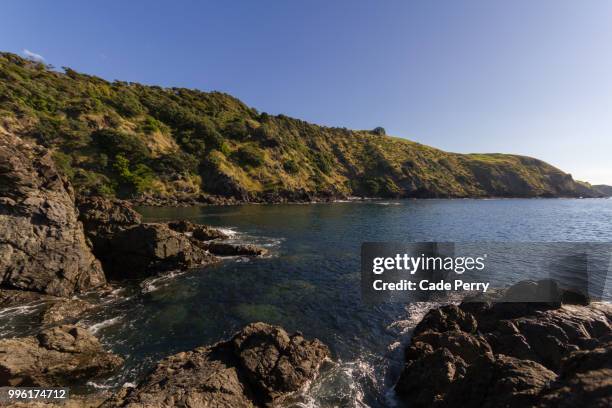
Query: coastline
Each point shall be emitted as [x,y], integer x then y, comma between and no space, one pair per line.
[218,201]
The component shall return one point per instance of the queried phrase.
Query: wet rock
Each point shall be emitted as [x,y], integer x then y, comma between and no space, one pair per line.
[65,310]
[146,249]
[205,233]
[260,365]
[14,297]
[59,356]
[52,309]
[198,232]
[226,249]
[42,244]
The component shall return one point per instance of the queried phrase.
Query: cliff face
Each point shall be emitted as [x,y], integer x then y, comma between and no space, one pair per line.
[130,140]
[42,244]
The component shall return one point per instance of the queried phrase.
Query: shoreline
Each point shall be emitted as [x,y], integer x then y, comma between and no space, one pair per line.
[224,202]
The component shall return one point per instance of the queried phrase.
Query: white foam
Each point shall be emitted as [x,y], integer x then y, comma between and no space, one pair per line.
[228,231]
[152,284]
[98,386]
[105,323]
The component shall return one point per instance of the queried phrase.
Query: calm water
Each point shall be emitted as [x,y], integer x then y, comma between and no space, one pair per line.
[311,281]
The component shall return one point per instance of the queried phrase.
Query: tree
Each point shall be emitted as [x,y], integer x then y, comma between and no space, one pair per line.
[380,131]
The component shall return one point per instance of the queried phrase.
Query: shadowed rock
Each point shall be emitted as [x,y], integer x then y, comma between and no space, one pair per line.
[483,354]
[226,249]
[585,380]
[145,249]
[501,381]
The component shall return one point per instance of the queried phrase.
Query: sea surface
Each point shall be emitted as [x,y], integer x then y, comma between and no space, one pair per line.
[311,282]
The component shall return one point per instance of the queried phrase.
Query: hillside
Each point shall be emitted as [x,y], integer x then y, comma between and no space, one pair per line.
[604,190]
[131,140]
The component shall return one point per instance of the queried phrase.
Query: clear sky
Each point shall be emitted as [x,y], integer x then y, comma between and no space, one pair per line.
[521,76]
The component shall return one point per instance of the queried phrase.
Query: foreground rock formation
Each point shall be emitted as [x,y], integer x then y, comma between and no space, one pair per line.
[511,355]
[60,356]
[260,365]
[42,245]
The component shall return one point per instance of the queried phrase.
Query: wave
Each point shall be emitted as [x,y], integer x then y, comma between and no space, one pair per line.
[340,384]
[95,328]
[157,282]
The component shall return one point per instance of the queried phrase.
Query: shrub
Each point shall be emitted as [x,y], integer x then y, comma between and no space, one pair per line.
[175,162]
[379,131]
[113,143]
[236,129]
[249,156]
[323,162]
[126,103]
[151,125]
[63,162]
[291,166]
[47,131]
[140,179]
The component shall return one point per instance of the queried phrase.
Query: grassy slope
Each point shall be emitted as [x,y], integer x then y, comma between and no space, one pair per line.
[128,139]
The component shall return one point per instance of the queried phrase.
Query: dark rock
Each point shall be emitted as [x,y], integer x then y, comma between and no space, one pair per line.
[182,226]
[102,218]
[42,245]
[585,380]
[506,354]
[426,380]
[550,335]
[260,365]
[447,318]
[145,249]
[99,213]
[128,248]
[502,381]
[225,249]
[198,232]
[59,356]
[465,345]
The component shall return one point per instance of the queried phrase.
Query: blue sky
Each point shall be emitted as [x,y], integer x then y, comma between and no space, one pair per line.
[521,76]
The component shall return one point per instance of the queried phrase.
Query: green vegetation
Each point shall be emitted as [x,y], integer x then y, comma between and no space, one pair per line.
[129,140]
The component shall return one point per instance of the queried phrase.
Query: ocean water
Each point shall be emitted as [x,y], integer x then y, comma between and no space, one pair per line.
[311,282]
